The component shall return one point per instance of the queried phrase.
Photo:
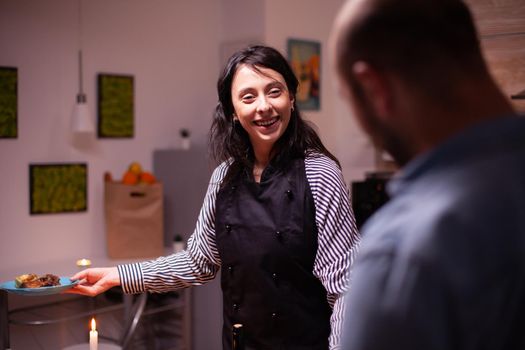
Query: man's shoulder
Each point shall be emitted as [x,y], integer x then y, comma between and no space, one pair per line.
[452,218]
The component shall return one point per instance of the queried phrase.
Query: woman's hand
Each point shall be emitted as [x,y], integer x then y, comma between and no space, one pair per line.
[95,281]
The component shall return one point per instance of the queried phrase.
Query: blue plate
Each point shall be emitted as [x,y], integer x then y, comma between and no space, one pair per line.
[65,284]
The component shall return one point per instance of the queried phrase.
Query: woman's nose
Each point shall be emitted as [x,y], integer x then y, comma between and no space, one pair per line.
[263,105]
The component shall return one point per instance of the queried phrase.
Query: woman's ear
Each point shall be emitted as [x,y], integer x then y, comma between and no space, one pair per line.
[375,87]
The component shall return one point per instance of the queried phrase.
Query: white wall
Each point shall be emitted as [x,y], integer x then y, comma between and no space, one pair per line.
[243,24]
[312,20]
[171,48]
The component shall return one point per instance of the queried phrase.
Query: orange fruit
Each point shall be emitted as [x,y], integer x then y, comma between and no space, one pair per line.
[147,177]
[130,178]
[135,168]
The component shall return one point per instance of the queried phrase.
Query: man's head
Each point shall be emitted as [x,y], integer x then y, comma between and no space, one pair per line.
[396,58]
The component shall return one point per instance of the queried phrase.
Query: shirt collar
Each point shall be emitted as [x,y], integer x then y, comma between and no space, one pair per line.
[472,142]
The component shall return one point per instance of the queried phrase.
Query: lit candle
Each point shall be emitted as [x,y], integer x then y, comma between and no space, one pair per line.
[83,262]
[93,336]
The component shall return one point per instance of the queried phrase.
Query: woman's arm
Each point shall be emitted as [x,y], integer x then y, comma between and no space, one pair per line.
[196,265]
[338,239]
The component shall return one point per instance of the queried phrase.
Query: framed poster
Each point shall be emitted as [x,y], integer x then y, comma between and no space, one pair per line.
[115,106]
[8,102]
[305,58]
[57,188]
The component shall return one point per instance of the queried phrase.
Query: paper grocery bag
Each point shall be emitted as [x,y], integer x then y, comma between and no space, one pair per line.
[134,220]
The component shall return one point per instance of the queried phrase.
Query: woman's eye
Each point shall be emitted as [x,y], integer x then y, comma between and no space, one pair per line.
[248,98]
[275,92]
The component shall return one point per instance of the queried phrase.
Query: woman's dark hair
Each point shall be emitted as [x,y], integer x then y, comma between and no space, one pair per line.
[230,142]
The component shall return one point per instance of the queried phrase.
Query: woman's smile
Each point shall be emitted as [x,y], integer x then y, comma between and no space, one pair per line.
[267,124]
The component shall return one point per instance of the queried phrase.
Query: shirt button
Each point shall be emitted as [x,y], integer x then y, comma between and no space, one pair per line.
[274,276]
[228,227]
[230,269]
[289,194]
[236,307]
[274,315]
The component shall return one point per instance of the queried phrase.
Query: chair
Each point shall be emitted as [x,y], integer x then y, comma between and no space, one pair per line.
[133,320]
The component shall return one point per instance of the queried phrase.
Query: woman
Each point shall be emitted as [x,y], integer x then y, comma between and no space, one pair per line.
[276,218]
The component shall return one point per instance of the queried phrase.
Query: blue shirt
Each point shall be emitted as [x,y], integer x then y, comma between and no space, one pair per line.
[442,265]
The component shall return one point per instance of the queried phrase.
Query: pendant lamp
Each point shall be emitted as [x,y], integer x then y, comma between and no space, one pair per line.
[82,121]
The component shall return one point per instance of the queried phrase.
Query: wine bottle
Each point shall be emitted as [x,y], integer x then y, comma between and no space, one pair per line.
[237,337]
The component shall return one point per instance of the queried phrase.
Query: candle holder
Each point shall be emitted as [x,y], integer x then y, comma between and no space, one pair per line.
[83,263]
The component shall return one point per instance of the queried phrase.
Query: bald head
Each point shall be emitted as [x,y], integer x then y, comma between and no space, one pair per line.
[412,72]
[425,42]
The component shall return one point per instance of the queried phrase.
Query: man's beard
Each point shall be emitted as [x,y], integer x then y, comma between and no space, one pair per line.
[383,136]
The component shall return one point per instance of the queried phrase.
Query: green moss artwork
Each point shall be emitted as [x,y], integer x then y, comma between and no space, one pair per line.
[8,102]
[115,106]
[58,188]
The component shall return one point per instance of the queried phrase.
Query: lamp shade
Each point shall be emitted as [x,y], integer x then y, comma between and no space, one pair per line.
[82,122]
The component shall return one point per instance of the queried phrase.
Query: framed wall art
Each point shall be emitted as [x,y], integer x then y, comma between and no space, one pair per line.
[305,58]
[57,188]
[115,106]
[8,102]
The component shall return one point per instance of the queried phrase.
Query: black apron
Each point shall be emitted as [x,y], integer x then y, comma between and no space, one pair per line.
[267,240]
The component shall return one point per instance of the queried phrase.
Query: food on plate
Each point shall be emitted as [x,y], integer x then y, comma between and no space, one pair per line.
[20,280]
[34,281]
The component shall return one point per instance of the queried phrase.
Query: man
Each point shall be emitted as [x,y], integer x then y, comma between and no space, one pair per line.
[442,265]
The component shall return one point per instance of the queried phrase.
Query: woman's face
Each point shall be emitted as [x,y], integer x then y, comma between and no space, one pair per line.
[262,104]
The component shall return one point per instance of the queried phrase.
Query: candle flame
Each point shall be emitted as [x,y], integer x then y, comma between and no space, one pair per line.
[83,262]
[93,324]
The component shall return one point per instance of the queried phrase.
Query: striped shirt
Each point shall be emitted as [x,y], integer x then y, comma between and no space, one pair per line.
[338,242]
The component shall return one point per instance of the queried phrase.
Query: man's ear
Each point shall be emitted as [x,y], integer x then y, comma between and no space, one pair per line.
[375,88]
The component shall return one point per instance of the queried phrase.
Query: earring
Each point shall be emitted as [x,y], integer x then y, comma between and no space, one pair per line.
[293,108]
